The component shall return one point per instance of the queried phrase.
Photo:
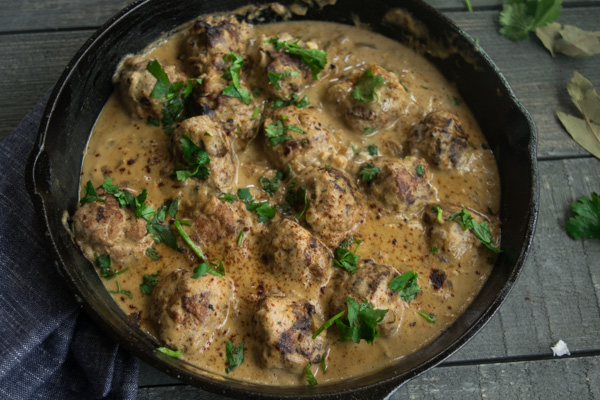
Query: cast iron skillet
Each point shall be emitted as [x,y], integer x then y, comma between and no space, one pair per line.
[53,175]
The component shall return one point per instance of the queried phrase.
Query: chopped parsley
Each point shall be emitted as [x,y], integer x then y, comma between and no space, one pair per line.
[310,377]
[169,352]
[106,270]
[365,88]
[361,322]
[295,198]
[324,364]
[276,133]
[328,323]
[125,199]
[368,172]
[240,239]
[151,252]
[369,130]
[480,230]
[161,233]
[234,356]
[263,209]
[275,77]
[293,100]
[434,249]
[269,185]
[256,112]
[120,291]
[420,170]
[195,159]
[586,219]
[428,317]
[228,197]
[149,281]
[214,267]
[314,59]
[439,213]
[373,150]
[344,258]
[90,195]
[406,285]
[234,89]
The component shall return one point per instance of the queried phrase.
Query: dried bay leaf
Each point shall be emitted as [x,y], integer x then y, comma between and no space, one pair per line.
[569,40]
[586,131]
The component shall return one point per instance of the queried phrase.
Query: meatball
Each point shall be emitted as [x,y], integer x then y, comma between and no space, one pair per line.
[388,103]
[294,136]
[447,235]
[335,205]
[210,137]
[371,282]
[285,73]
[187,311]
[401,185]
[297,256]
[439,138]
[213,38]
[285,327]
[135,85]
[105,228]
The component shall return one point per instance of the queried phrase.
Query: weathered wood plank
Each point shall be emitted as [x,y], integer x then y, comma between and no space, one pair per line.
[566,378]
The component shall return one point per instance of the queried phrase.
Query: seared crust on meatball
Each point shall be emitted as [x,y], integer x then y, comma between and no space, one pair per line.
[371,282]
[389,103]
[401,185]
[285,326]
[135,84]
[105,228]
[304,141]
[297,256]
[187,311]
[439,138]
[335,204]
[209,136]
[211,39]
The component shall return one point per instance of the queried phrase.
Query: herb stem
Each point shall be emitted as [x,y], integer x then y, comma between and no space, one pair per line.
[195,248]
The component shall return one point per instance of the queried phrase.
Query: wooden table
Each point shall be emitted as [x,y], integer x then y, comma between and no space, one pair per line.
[556,297]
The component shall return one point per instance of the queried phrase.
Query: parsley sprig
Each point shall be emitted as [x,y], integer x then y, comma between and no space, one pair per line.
[346,259]
[314,59]
[480,230]
[406,285]
[368,172]
[90,195]
[263,209]
[292,100]
[234,89]
[365,87]
[586,219]
[196,160]
[361,322]
[519,17]
[105,265]
[275,77]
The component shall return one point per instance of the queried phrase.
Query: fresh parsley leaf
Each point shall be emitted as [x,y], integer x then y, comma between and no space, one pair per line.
[434,249]
[276,133]
[151,252]
[143,210]
[586,219]
[120,291]
[214,267]
[105,265]
[519,17]
[228,197]
[293,100]
[368,172]
[234,89]
[275,77]
[256,112]
[241,93]
[90,195]
[346,259]
[361,322]
[439,213]
[234,356]
[170,353]
[428,317]
[265,211]
[149,281]
[161,233]
[406,285]
[269,185]
[373,150]
[369,130]
[162,86]
[125,199]
[480,230]
[295,198]
[364,88]
[196,160]
[310,377]
[244,195]
[420,170]
[328,323]
[314,59]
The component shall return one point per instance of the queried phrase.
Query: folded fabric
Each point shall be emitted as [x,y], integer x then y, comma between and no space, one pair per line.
[50,348]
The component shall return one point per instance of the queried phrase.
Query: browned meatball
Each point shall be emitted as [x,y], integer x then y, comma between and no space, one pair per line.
[401,185]
[448,236]
[211,39]
[187,311]
[439,138]
[105,228]
[209,136]
[285,326]
[294,136]
[371,282]
[297,257]
[135,84]
[335,205]
[389,103]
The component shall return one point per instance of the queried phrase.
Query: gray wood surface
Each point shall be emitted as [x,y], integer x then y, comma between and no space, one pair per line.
[558,294]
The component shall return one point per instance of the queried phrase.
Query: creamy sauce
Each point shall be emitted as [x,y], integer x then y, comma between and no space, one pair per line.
[135,155]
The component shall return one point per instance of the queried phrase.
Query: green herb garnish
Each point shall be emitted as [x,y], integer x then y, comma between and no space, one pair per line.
[293,100]
[105,265]
[368,172]
[234,89]
[406,285]
[149,281]
[195,159]
[373,150]
[365,88]
[151,252]
[586,219]
[480,230]
[420,170]
[310,377]
[275,77]
[120,291]
[269,185]
[90,195]
[234,356]
[169,352]
[314,59]
[328,323]
[361,322]
[428,317]
[439,212]
[519,17]
[344,258]
[214,267]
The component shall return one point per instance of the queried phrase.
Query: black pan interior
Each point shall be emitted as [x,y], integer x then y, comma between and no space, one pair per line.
[53,174]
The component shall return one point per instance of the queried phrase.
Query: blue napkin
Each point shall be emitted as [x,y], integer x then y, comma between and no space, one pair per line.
[49,348]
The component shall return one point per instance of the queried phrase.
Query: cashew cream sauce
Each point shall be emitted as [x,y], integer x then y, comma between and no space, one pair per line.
[133,154]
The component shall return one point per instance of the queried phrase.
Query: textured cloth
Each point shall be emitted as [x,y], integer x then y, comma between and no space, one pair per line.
[50,348]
